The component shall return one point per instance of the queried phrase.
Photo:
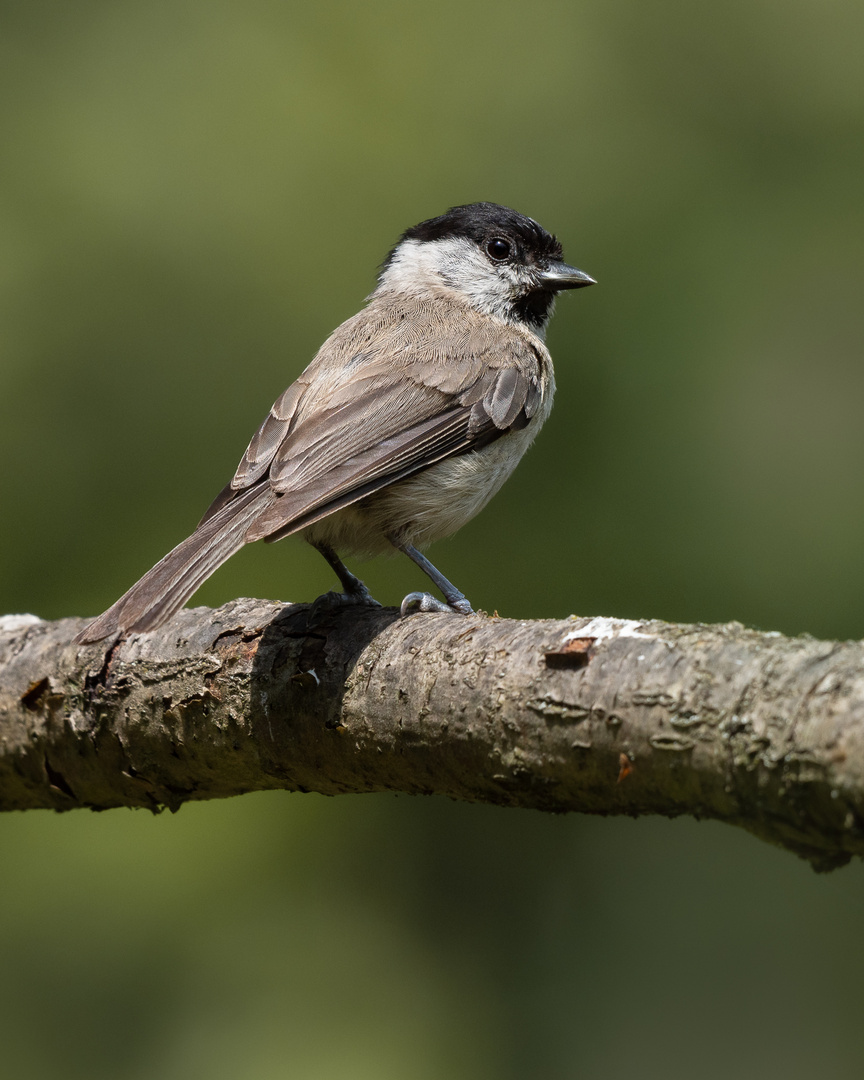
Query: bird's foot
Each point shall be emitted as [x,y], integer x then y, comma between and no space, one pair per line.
[424,601]
[359,594]
[329,601]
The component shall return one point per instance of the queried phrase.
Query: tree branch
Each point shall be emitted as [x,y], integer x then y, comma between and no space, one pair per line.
[597,715]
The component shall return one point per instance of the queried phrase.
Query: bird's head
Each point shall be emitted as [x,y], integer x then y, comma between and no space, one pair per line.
[500,261]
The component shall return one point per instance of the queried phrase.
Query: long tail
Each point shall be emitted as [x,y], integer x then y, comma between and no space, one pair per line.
[166,588]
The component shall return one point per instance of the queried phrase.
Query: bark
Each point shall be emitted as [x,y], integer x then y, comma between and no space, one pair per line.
[600,716]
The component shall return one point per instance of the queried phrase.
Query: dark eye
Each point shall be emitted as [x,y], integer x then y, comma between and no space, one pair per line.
[498,249]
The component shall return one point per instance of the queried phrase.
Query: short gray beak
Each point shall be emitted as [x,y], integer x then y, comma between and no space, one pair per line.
[558,275]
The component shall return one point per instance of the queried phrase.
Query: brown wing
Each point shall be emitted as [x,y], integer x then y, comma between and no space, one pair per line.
[454,427]
[356,422]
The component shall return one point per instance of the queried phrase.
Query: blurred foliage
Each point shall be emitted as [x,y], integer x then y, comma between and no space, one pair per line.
[192,195]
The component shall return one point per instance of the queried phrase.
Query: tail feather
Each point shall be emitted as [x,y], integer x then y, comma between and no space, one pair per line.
[166,588]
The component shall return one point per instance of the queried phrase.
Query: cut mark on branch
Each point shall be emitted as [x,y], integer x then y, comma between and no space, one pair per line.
[574,655]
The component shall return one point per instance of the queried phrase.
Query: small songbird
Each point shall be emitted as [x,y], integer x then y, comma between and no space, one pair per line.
[410,418]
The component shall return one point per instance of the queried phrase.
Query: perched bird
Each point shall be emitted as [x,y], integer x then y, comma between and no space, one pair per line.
[410,418]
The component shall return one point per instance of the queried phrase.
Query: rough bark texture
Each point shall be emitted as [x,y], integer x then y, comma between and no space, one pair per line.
[601,716]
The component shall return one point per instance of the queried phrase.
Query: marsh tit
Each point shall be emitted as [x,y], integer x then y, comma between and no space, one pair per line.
[410,418]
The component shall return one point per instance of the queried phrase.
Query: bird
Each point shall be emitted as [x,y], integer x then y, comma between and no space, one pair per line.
[408,420]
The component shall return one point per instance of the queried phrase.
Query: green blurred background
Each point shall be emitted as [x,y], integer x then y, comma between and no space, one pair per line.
[192,195]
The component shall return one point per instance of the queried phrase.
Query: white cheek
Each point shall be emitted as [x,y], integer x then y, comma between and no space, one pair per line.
[454,264]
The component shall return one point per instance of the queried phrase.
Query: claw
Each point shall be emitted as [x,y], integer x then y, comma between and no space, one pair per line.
[424,601]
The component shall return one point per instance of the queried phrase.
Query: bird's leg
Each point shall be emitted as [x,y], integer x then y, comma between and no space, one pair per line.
[355,590]
[424,601]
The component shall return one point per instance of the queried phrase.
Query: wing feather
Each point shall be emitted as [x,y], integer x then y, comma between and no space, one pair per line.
[392,405]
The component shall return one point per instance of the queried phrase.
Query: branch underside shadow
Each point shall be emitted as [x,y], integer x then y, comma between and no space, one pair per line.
[600,716]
